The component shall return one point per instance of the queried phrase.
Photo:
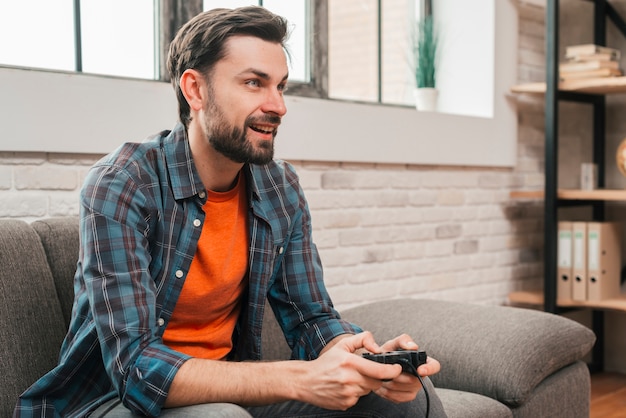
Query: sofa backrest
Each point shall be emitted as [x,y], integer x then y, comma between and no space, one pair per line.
[32,326]
[274,346]
[60,239]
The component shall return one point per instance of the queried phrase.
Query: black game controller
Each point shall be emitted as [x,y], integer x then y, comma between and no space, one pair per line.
[410,360]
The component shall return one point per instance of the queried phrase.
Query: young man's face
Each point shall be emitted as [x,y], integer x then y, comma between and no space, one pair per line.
[245,103]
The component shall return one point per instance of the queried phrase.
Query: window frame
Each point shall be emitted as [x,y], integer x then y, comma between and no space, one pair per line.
[318,54]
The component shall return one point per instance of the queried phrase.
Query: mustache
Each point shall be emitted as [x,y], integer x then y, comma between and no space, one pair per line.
[271,119]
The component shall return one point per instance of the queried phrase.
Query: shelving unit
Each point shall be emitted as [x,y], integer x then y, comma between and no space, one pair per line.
[591,91]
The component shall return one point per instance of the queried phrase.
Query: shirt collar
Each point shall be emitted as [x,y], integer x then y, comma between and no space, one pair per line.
[183,176]
[248,169]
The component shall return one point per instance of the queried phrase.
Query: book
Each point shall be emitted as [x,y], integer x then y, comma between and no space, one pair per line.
[586,65]
[588,49]
[598,56]
[579,260]
[564,276]
[603,260]
[600,72]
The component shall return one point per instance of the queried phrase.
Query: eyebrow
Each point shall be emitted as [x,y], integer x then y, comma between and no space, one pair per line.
[262,74]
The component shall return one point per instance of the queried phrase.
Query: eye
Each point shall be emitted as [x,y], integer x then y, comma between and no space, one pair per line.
[283,87]
[253,83]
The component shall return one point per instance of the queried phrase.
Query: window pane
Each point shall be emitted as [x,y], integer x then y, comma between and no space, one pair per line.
[397,78]
[118,37]
[37,33]
[353,49]
[466,56]
[296,12]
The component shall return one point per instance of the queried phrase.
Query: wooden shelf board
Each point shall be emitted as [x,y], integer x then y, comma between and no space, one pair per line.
[572,194]
[603,85]
[536,299]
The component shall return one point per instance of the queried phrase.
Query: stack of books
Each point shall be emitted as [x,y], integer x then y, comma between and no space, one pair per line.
[590,61]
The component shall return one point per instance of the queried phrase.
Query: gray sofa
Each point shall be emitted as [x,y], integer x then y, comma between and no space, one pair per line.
[496,361]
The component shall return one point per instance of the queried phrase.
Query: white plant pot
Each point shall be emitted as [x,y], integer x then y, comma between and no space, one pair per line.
[426,98]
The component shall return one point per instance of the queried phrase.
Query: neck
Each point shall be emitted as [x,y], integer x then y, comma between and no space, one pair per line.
[217,172]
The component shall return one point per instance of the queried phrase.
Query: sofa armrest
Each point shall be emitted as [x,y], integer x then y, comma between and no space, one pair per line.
[501,352]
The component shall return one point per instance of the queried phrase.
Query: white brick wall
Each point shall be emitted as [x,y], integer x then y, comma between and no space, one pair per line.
[383,231]
[38,185]
[423,231]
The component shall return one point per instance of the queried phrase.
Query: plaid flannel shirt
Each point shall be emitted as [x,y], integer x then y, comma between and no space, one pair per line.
[141,217]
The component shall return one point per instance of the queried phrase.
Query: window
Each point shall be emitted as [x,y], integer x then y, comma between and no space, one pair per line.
[369,52]
[113,37]
[392,134]
[356,50]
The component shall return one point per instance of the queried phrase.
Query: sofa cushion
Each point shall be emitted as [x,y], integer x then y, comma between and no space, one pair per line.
[497,351]
[273,343]
[459,404]
[60,239]
[31,323]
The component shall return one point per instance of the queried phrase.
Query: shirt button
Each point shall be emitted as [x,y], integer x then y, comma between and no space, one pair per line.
[202,195]
[179,274]
[161,322]
[197,222]
[280,250]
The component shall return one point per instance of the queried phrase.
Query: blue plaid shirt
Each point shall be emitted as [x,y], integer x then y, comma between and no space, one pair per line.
[141,216]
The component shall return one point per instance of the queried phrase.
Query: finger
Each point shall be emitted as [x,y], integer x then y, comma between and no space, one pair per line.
[406,342]
[375,370]
[398,393]
[369,343]
[402,342]
[431,367]
[358,341]
[403,383]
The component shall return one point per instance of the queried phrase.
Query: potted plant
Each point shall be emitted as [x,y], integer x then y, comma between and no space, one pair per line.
[425,63]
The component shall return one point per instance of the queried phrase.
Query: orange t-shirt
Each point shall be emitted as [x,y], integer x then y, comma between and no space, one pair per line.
[209,304]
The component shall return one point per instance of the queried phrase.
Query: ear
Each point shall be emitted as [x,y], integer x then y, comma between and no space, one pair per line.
[193,86]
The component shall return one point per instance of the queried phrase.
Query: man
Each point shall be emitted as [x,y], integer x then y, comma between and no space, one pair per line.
[184,237]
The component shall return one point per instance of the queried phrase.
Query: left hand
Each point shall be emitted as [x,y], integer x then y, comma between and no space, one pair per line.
[405,387]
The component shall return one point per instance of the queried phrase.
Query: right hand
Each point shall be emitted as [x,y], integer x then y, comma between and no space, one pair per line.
[340,377]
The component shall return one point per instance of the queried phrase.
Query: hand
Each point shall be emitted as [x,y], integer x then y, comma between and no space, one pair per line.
[338,378]
[405,387]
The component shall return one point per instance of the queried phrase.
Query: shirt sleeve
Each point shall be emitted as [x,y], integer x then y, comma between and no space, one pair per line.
[298,295]
[115,258]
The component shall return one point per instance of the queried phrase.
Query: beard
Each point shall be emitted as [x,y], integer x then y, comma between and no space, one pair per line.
[231,141]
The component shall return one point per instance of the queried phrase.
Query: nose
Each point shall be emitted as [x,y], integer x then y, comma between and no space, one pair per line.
[275,103]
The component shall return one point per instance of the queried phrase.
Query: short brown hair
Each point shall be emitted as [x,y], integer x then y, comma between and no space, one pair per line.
[199,44]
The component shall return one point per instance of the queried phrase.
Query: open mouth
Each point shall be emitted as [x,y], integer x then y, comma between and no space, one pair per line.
[267,130]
